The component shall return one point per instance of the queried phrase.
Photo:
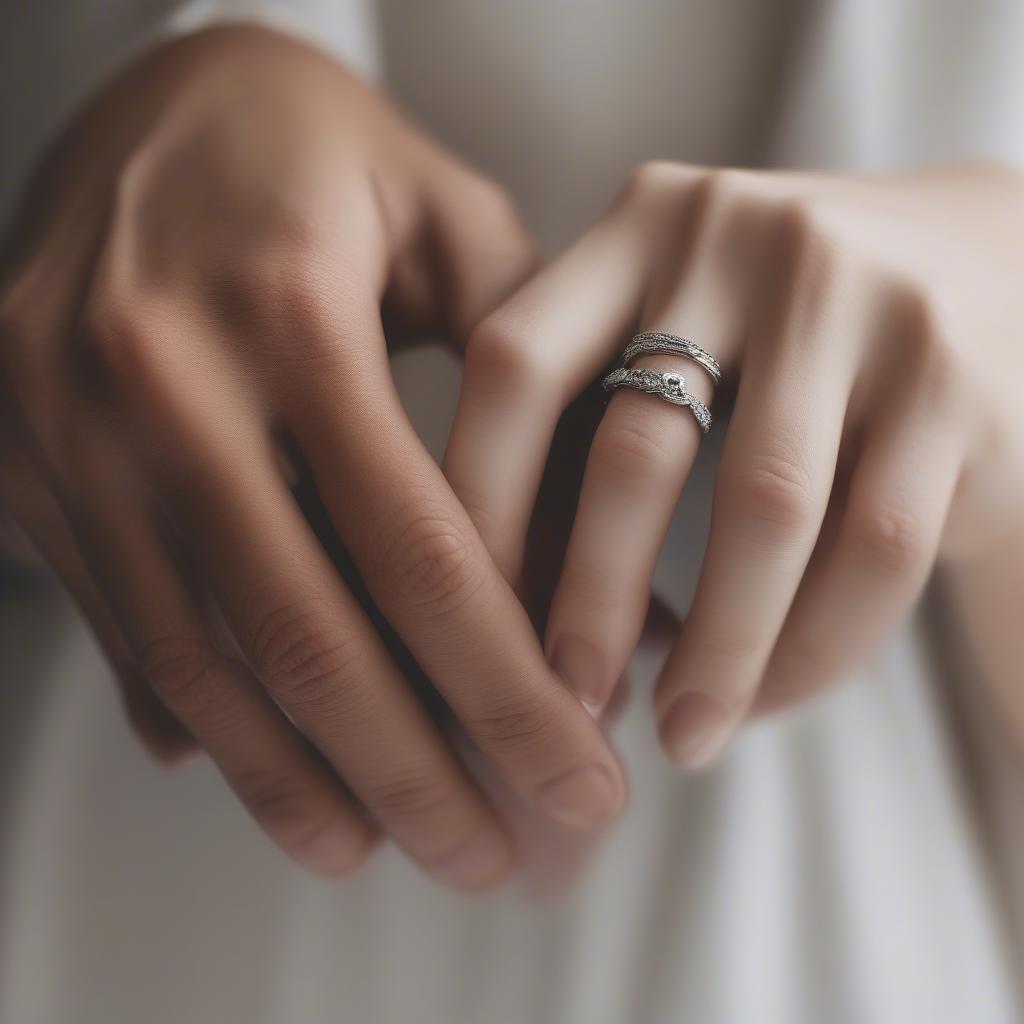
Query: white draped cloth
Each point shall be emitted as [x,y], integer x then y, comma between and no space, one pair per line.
[860,859]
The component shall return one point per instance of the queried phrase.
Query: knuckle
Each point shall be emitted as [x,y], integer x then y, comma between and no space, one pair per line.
[124,335]
[301,659]
[686,202]
[807,241]
[419,799]
[311,331]
[273,798]
[705,189]
[890,538]
[290,288]
[270,279]
[491,202]
[941,368]
[133,185]
[654,178]
[284,809]
[431,562]
[500,354]
[717,188]
[183,670]
[713,210]
[513,725]
[816,274]
[436,821]
[774,488]
[914,307]
[632,446]
[946,373]
[801,220]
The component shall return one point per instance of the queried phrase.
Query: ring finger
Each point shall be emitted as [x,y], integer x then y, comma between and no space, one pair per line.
[642,454]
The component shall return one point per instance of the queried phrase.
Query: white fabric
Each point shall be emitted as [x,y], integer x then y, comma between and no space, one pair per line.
[842,864]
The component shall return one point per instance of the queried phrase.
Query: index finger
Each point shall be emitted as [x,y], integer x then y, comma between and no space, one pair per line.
[428,571]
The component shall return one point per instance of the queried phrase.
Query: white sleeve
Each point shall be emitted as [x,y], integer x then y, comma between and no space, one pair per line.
[345,28]
[62,50]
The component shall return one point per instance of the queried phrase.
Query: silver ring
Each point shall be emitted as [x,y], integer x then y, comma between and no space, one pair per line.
[669,386]
[660,343]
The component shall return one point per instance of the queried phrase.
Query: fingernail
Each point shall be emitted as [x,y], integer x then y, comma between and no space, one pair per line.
[582,798]
[694,729]
[479,863]
[580,665]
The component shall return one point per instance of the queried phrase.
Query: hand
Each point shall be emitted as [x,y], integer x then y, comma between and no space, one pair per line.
[196,287]
[862,327]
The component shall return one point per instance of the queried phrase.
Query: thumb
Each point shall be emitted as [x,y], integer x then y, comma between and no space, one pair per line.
[482,250]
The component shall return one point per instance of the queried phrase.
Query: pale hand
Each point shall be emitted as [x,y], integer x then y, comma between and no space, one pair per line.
[869,329]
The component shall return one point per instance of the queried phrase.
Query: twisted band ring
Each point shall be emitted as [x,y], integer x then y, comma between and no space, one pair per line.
[660,343]
[669,386]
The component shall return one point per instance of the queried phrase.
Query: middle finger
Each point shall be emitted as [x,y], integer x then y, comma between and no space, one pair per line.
[772,488]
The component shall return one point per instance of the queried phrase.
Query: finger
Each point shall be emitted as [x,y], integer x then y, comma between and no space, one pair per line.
[319,655]
[524,363]
[477,248]
[643,452]
[640,458]
[303,633]
[291,793]
[429,573]
[771,492]
[465,250]
[555,508]
[41,301]
[889,531]
[40,514]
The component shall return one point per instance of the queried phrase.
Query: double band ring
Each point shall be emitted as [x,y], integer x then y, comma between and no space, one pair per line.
[658,343]
[669,386]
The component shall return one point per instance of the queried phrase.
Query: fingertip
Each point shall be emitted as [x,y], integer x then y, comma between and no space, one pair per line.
[173,753]
[168,744]
[584,798]
[479,866]
[694,730]
[337,852]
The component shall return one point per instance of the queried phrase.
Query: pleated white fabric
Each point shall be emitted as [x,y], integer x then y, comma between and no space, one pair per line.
[848,862]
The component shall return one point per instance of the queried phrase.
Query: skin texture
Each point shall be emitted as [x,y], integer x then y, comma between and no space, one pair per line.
[861,323]
[191,311]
